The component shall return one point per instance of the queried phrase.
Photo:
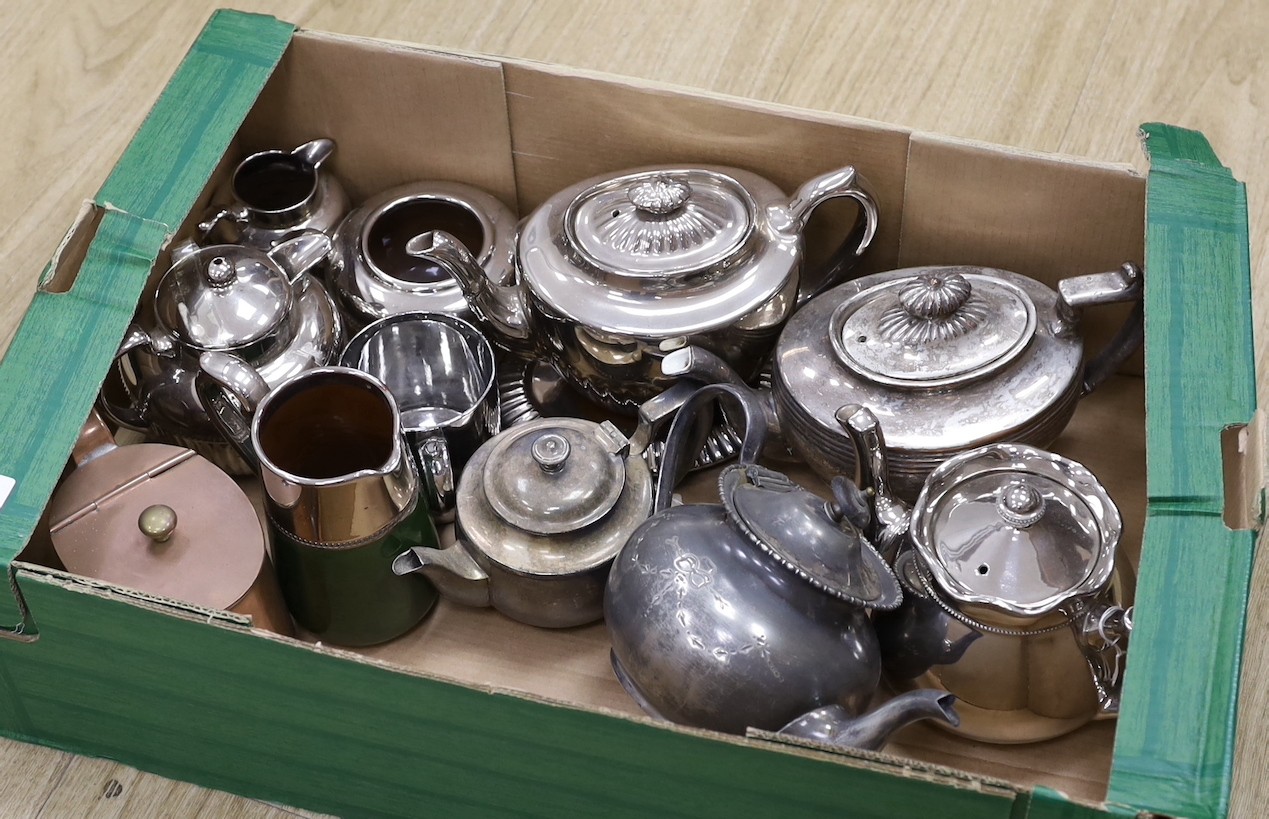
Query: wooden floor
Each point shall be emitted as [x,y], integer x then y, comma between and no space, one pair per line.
[1073,76]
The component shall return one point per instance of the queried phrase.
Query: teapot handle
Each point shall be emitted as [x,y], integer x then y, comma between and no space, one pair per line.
[1125,284]
[229,390]
[1102,630]
[133,414]
[845,183]
[678,443]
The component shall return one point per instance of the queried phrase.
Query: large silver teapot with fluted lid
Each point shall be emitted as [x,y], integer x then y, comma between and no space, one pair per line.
[616,271]
[263,307]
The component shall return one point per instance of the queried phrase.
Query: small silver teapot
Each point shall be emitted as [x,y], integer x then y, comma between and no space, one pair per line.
[263,307]
[1013,598]
[615,271]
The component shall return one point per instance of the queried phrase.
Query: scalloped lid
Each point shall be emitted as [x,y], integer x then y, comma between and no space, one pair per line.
[800,530]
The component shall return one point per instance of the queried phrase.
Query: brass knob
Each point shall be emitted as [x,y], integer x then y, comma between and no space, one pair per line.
[157,522]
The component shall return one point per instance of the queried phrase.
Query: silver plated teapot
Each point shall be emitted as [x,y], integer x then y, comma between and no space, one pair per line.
[1014,599]
[616,271]
[753,613]
[263,307]
[948,357]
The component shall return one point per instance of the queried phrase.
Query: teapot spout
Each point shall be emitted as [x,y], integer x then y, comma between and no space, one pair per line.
[891,516]
[498,305]
[833,724]
[452,570]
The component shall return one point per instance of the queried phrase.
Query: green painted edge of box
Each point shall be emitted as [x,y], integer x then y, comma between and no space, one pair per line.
[150,191]
[277,720]
[1174,747]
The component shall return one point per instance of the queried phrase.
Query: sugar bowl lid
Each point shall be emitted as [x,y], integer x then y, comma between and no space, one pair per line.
[1017,529]
[223,297]
[936,328]
[159,519]
[806,535]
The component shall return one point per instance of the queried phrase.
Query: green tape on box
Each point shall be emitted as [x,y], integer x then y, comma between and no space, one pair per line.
[1175,742]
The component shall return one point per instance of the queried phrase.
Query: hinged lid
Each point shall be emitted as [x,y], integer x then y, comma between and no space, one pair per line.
[1017,529]
[660,222]
[807,536]
[161,520]
[940,327]
[224,297]
[556,476]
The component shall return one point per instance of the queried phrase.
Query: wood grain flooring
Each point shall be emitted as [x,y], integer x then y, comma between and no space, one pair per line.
[1073,76]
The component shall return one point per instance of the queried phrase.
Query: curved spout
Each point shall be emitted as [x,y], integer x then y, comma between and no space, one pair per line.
[453,571]
[700,365]
[891,516]
[833,724]
[499,306]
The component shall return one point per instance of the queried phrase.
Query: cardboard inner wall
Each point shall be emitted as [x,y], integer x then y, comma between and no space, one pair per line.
[523,132]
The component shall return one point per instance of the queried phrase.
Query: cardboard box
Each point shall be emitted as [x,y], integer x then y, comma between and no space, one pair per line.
[474,714]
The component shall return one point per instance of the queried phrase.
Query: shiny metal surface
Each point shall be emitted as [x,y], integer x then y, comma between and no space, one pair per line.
[1016,529]
[616,271]
[441,371]
[274,314]
[547,561]
[834,725]
[341,493]
[1004,385]
[372,274]
[277,195]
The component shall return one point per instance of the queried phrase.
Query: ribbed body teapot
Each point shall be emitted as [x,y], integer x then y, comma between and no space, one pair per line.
[615,271]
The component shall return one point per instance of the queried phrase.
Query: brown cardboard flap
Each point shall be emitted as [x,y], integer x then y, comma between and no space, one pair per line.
[567,128]
[1043,216]
[397,114]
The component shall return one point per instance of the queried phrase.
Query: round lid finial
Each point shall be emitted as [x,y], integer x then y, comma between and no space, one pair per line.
[659,195]
[220,272]
[157,522]
[1020,504]
[550,450]
[935,295]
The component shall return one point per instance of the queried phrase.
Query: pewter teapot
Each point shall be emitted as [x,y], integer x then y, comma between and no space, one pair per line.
[261,306]
[752,614]
[951,357]
[615,271]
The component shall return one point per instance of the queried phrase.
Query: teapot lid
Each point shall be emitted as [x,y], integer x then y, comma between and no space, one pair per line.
[660,222]
[806,534]
[224,298]
[557,475]
[159,519]
[1017,529]
[939,327]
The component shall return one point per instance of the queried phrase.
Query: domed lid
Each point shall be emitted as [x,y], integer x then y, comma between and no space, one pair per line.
[1017,529]
[807,536]
[159,519]
[224,297]
[557,475]
[660,222]
[940,327]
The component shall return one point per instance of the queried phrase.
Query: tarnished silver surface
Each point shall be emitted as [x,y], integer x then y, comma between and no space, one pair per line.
[373,276]
[543,508]
[277,195]
[616,271]
[715,627]
[265,308]
[941,377]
